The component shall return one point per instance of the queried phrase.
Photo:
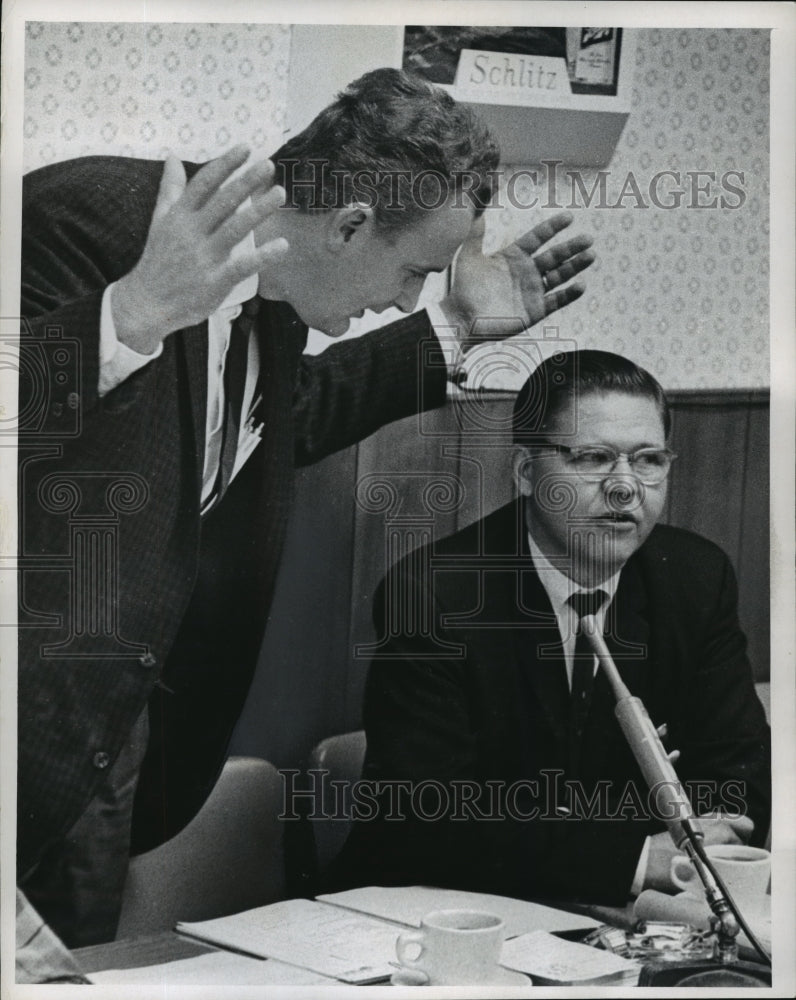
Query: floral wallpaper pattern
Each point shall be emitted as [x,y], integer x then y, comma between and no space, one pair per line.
[139,89]
[683,290]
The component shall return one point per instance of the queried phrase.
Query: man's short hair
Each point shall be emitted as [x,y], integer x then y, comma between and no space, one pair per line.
[563,378]
[392,141]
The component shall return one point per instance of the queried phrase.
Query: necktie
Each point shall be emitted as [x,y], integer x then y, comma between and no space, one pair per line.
[234,386]
[583,603]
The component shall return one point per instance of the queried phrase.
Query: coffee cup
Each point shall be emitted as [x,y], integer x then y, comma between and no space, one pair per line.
[454,947]
[744,870]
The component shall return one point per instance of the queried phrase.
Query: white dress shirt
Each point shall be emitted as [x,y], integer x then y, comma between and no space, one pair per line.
[559,588]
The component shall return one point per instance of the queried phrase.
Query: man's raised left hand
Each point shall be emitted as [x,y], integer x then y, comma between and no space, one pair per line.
[504,293]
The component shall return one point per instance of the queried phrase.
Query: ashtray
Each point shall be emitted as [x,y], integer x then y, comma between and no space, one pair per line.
[655,940]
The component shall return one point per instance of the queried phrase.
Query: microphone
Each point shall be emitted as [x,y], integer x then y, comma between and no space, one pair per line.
[672,804]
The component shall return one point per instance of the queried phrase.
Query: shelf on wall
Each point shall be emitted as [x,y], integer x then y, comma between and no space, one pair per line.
[577,129]
[581,131]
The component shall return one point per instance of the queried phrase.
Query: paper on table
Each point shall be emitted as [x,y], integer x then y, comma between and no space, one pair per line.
[409,904]
[546,957]
[356,949]
[216,968]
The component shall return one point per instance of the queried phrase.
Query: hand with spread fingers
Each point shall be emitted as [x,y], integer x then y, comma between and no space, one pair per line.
[187,267]
[500,295]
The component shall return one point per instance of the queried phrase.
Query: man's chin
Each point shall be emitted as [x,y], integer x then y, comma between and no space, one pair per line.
[607,549]
[332,328]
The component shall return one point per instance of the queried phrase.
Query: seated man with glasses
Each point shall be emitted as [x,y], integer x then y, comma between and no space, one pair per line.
[494,761]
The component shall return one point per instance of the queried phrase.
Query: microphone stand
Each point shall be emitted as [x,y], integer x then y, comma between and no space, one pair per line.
[671,801]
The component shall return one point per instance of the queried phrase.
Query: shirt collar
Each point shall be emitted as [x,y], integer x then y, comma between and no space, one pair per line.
[559,586]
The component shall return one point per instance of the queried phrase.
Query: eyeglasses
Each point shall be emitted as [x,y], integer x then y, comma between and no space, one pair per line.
[649,465]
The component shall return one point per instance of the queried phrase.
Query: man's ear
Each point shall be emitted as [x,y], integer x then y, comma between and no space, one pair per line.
[523,470]
[347,223]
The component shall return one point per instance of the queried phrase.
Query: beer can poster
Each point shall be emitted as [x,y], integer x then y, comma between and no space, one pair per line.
[591,55]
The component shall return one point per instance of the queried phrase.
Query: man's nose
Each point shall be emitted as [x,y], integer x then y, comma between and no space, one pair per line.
[621,466]
[622,490]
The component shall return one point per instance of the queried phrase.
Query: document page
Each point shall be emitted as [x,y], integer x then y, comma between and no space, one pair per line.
[409,904]
[325,939]
[218,968]
[551,959]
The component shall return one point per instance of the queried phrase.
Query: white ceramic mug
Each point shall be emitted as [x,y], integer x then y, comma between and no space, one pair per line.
[454,947]
[745,871]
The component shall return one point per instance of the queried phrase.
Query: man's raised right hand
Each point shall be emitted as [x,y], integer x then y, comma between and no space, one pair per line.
[186,269]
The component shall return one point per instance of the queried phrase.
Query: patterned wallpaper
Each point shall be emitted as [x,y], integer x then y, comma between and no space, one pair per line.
[147,89]
[682,290]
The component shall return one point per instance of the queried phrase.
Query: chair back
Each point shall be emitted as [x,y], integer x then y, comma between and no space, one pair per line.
[763,689]
[229,858]
[341,758]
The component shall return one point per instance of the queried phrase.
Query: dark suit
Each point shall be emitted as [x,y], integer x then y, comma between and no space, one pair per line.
[495,710]
[111,508]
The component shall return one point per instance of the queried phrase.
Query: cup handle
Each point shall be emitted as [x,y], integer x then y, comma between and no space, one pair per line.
[683,875]
[405,941]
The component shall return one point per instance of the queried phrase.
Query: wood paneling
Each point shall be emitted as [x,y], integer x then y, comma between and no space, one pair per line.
[408,491]
[720,489]
[361,509]
[299,690]
[753,563]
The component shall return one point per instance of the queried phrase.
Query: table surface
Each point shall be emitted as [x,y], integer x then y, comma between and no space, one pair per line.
[169,946]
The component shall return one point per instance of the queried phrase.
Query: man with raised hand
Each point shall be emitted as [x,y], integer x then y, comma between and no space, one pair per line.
[172,305]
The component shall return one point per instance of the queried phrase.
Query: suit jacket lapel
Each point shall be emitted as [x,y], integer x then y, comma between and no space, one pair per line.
[192,349]
[628,631]
[537,644]
[513,622]
[627,637]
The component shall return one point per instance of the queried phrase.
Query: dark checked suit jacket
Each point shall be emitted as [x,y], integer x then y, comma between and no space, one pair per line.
[113,597]
[477,700]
